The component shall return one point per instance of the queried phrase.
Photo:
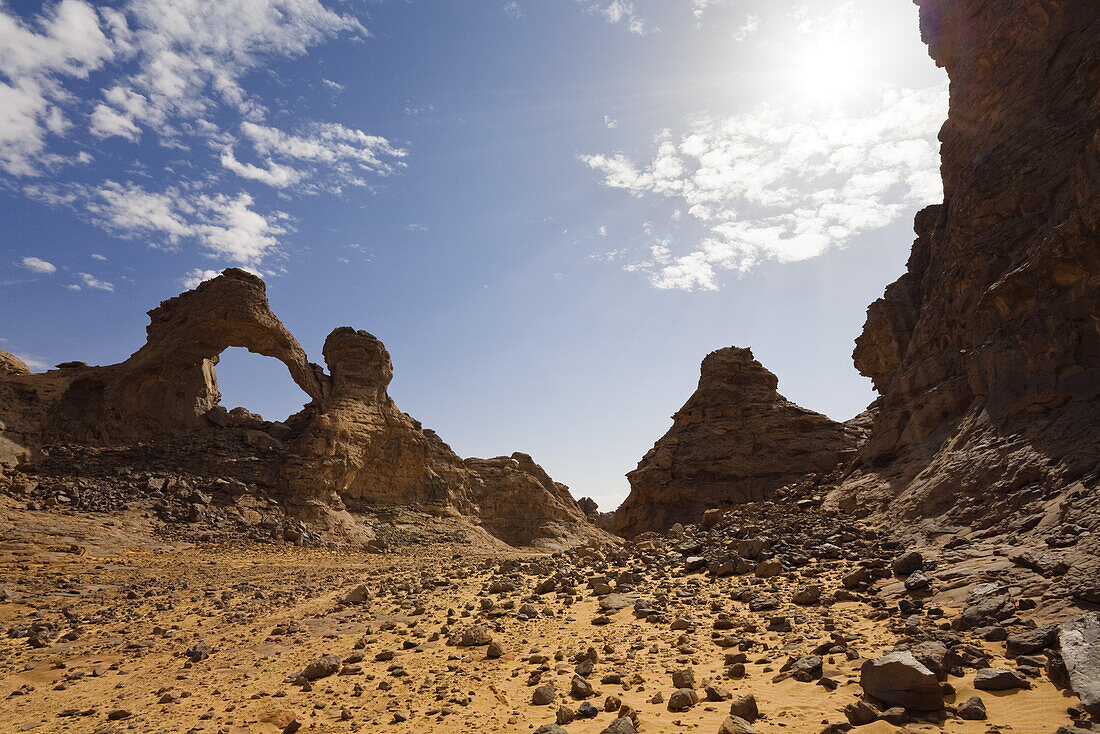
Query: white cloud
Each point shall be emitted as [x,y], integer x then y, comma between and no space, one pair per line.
[769,185]
[748,28]
[175,71]
[196,276]
[416,227]
[65,42]
[237,234]
[35,365]
[513,9]
[130,211]
[71,287]
[619,12]
[828,18]
[610,122]
[699,7]
[602,231]
[97,256]
[335,86]
[93,282]
[108,122]
[346,154]
[192,55]
[36,265]
[226,227]
[273,175]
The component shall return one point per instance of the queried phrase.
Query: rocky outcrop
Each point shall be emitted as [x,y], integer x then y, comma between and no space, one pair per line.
[354,446]
[166,387]
[735,440]
[350,448]
[520,504]
[12,365]
[987,350]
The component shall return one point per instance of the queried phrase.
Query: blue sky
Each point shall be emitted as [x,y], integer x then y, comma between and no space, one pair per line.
[549,211]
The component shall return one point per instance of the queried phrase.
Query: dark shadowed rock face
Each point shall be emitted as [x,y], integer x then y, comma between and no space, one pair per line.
[735,440]
[351,447]
[987,350]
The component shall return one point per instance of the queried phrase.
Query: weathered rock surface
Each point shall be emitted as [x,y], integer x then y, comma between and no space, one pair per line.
[987,350]
[165,388]
[519,503]
[1079,642]
[349,448]
[900,679]
[735,440]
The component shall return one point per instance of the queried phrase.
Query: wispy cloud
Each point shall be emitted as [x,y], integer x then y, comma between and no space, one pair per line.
[513,9]
[196,276]
[620,12]
[91,281]
[768,185]
[35,364]
[175,73]
[37,265]
[699,7]
[224,226]
[334,155]
[748,28]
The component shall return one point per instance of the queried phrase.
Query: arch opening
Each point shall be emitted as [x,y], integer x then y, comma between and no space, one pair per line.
[261,385]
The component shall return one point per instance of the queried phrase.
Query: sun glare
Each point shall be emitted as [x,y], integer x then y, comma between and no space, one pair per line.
[828,69]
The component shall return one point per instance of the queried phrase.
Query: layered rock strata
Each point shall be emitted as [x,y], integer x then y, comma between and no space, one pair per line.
[349,448]
[735,440]
[987,350]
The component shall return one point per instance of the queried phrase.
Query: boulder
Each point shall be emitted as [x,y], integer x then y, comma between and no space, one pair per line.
[899,679]
[1079,645]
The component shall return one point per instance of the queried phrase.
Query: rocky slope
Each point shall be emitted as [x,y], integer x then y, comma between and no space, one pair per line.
[157,415]
[987,350]
[735,440]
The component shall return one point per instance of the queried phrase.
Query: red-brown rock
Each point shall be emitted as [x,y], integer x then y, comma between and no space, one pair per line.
[735,440]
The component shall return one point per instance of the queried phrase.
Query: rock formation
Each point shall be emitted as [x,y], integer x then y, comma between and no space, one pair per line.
[349,448]
[987,350]
[735,440]
[166,387]
[519,503]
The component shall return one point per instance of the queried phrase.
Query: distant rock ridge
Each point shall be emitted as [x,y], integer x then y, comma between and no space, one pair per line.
[735,440]
[349,448]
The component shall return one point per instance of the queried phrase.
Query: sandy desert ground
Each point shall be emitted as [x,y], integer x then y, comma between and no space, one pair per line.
[112,628]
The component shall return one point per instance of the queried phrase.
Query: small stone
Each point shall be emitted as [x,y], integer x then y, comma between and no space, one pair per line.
[999,679]
[744,707]
[682,699]
[973,709]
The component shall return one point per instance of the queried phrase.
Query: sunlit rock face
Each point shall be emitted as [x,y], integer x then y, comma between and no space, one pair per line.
[350,447]
[735,440]
[987,350]
[165,388]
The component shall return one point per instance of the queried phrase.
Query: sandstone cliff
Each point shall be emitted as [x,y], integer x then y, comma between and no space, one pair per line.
[735,440]
[351,448]
[987,350]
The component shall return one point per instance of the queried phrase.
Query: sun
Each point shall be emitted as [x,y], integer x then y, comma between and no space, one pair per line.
[829,69]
